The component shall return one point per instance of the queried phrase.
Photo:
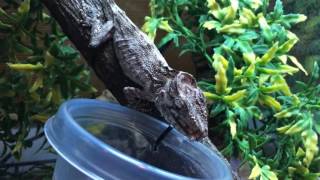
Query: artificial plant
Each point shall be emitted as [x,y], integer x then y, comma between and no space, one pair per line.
[38,71]
[247,45]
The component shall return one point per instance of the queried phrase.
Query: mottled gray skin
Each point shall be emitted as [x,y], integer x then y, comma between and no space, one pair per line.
[174,93]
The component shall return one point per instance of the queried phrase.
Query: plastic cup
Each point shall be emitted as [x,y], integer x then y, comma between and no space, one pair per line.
[100,140]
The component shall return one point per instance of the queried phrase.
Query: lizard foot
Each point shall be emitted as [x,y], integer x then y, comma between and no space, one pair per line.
[137,99]
[100,33]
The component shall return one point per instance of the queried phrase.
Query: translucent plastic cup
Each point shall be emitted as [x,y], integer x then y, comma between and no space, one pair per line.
[99,140]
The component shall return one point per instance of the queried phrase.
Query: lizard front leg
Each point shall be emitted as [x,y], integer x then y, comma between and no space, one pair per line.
[100,32]
[137,99]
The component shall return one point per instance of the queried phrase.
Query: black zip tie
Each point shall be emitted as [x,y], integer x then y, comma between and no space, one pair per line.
[161,137]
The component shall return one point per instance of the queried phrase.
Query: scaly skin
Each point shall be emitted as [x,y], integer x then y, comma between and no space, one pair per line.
[174,93]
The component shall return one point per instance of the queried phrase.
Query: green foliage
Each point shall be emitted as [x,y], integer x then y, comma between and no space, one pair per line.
[247,46]
[38,71]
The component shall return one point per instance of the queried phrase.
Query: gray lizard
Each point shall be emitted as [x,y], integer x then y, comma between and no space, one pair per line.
[175,93]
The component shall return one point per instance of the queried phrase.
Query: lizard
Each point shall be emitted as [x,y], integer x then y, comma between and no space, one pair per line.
[174,93]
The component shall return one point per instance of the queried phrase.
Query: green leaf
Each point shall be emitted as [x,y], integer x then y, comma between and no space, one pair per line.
[217,109]
[278,9]
[22,48]
[230,70]
[315,71]
[169,37]
[244,46]
[267,174]
[244,145]
[317,126]
[266,30]
[292,19]
[248,36]
[206,86]
[150,26]
[5,27]
[255,112]
[260,48]
[244,116]
[253,95]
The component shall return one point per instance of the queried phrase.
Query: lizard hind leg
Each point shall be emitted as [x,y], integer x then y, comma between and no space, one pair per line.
[132,94]
[100,33]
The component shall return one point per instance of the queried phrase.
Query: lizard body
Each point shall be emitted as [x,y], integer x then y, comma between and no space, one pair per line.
[174,93]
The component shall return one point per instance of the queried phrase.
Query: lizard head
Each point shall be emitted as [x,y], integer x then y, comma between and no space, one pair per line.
[183,104]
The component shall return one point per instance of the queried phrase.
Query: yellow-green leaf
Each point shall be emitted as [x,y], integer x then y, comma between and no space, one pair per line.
[25,67]
[311,145]
[213,5]
[24,7]
[150,27]
[283,114]
[235,96]
[279,80]
[251,70]
[231,12]
[234,28]
[283,129]
[270,54]
[263,78]
[255,4]
[233,128]
[283,59]
[211,96]
[255,172]
[295,61]
[266,30]
[221,79]
[297,127]
[220,59]
[211,25]
[247,17]
[37,84]
[271,89]
[49,97]
[49,59]
[40,117]
[249,57]
[270,101]
[300,152]
[288,45]
[164,25]
[288,69]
